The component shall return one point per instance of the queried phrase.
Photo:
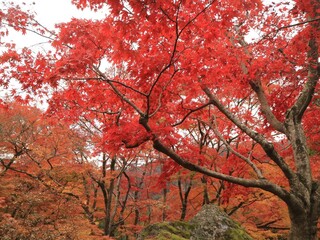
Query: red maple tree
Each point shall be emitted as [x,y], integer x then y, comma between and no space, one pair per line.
[179,67]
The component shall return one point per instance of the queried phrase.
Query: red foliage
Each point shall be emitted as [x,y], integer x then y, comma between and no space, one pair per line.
[183,77]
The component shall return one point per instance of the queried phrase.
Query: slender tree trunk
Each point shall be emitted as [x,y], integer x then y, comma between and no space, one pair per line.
[107,193]
[206,199]
[149,212]
[137,193]
[136,210]
[184,193]
[164,208]
[109,222]
[183,211]
[125,200]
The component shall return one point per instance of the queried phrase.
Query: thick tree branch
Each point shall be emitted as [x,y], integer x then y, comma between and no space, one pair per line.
[306,95]
[261,183]
[267,146]
[257,87]
[136,143]
[265,107]
[294,129]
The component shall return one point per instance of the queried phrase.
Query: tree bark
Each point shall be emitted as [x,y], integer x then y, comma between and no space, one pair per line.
[303,226]
[107,192]
[109,222]
[304,213]
[164,207]
[184,196]
[206,199]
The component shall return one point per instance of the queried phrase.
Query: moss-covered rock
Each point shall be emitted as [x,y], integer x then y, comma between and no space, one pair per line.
[209,224]
[213,224]
[167,230]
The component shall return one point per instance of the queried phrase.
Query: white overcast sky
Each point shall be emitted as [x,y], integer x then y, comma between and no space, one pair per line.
[54,11]
[48,13]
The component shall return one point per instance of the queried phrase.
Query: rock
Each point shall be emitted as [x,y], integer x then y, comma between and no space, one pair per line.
[213,224]
[209,224]
[167,230]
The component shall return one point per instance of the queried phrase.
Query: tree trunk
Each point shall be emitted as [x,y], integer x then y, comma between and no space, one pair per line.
[183,211]
[184,194]
[136,216]
[304,217]
[303,226]
[164,207]
[107,192]
[109,221]
[206,199]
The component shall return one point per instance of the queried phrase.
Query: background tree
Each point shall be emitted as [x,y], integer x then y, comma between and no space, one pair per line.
[82,182]
[40,178]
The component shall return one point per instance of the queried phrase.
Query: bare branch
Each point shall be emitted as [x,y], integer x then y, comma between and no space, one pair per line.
[246,159]
[178,34]
[256,86]
[190,112]
[116,90]
[161,94]
[129,87]
[288,26]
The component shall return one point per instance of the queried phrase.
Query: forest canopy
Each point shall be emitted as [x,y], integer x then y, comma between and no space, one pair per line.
[212,101]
